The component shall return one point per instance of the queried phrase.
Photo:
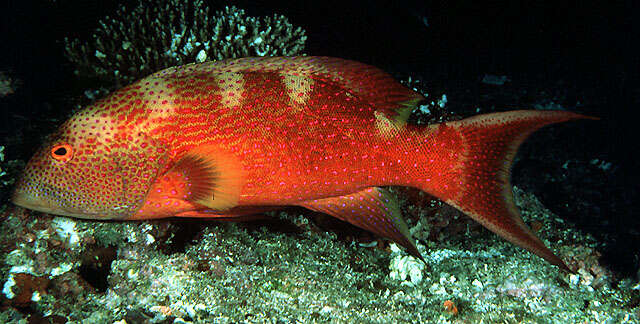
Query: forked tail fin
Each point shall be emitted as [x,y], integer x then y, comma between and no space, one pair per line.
[467,164]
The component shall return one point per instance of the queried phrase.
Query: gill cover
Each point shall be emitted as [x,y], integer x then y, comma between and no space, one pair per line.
[99,178]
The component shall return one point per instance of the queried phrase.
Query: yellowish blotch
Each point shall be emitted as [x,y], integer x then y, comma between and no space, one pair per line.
[298,89]
[231,88]
[387,127]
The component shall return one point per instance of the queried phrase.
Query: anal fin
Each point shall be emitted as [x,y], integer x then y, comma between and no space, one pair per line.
[373,209]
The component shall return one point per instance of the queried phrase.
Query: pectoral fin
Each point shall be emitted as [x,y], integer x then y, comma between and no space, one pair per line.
[213,177]
[205,177]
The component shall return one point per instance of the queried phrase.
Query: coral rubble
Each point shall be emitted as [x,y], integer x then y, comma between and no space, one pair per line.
[195,271]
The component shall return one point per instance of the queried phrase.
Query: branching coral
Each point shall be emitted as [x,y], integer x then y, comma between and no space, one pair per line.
[158,34]
[7,85]
[2,173]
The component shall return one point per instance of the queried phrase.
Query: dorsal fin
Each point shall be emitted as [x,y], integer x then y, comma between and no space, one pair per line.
[373,209]
[370,84]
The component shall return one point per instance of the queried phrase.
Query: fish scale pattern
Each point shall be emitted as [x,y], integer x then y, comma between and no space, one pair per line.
[235,137]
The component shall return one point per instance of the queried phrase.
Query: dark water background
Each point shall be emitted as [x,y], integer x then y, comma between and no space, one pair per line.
[588,50]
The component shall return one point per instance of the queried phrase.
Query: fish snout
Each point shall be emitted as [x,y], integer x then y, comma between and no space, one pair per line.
[47,200]
[40,201]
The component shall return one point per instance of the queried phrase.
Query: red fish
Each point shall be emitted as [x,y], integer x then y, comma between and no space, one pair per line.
[231,138]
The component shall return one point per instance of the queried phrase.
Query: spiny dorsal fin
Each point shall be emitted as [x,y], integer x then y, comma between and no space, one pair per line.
[373,209]
[370,84]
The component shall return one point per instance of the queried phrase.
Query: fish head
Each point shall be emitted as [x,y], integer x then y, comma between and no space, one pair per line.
[94,167]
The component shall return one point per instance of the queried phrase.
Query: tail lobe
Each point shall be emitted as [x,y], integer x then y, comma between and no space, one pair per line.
[468,166]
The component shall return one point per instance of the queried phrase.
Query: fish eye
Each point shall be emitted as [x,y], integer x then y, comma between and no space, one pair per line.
[62,152]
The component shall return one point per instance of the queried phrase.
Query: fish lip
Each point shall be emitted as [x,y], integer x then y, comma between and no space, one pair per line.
[26,200]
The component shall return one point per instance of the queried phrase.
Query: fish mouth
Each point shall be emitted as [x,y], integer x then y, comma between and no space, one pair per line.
[46,205]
